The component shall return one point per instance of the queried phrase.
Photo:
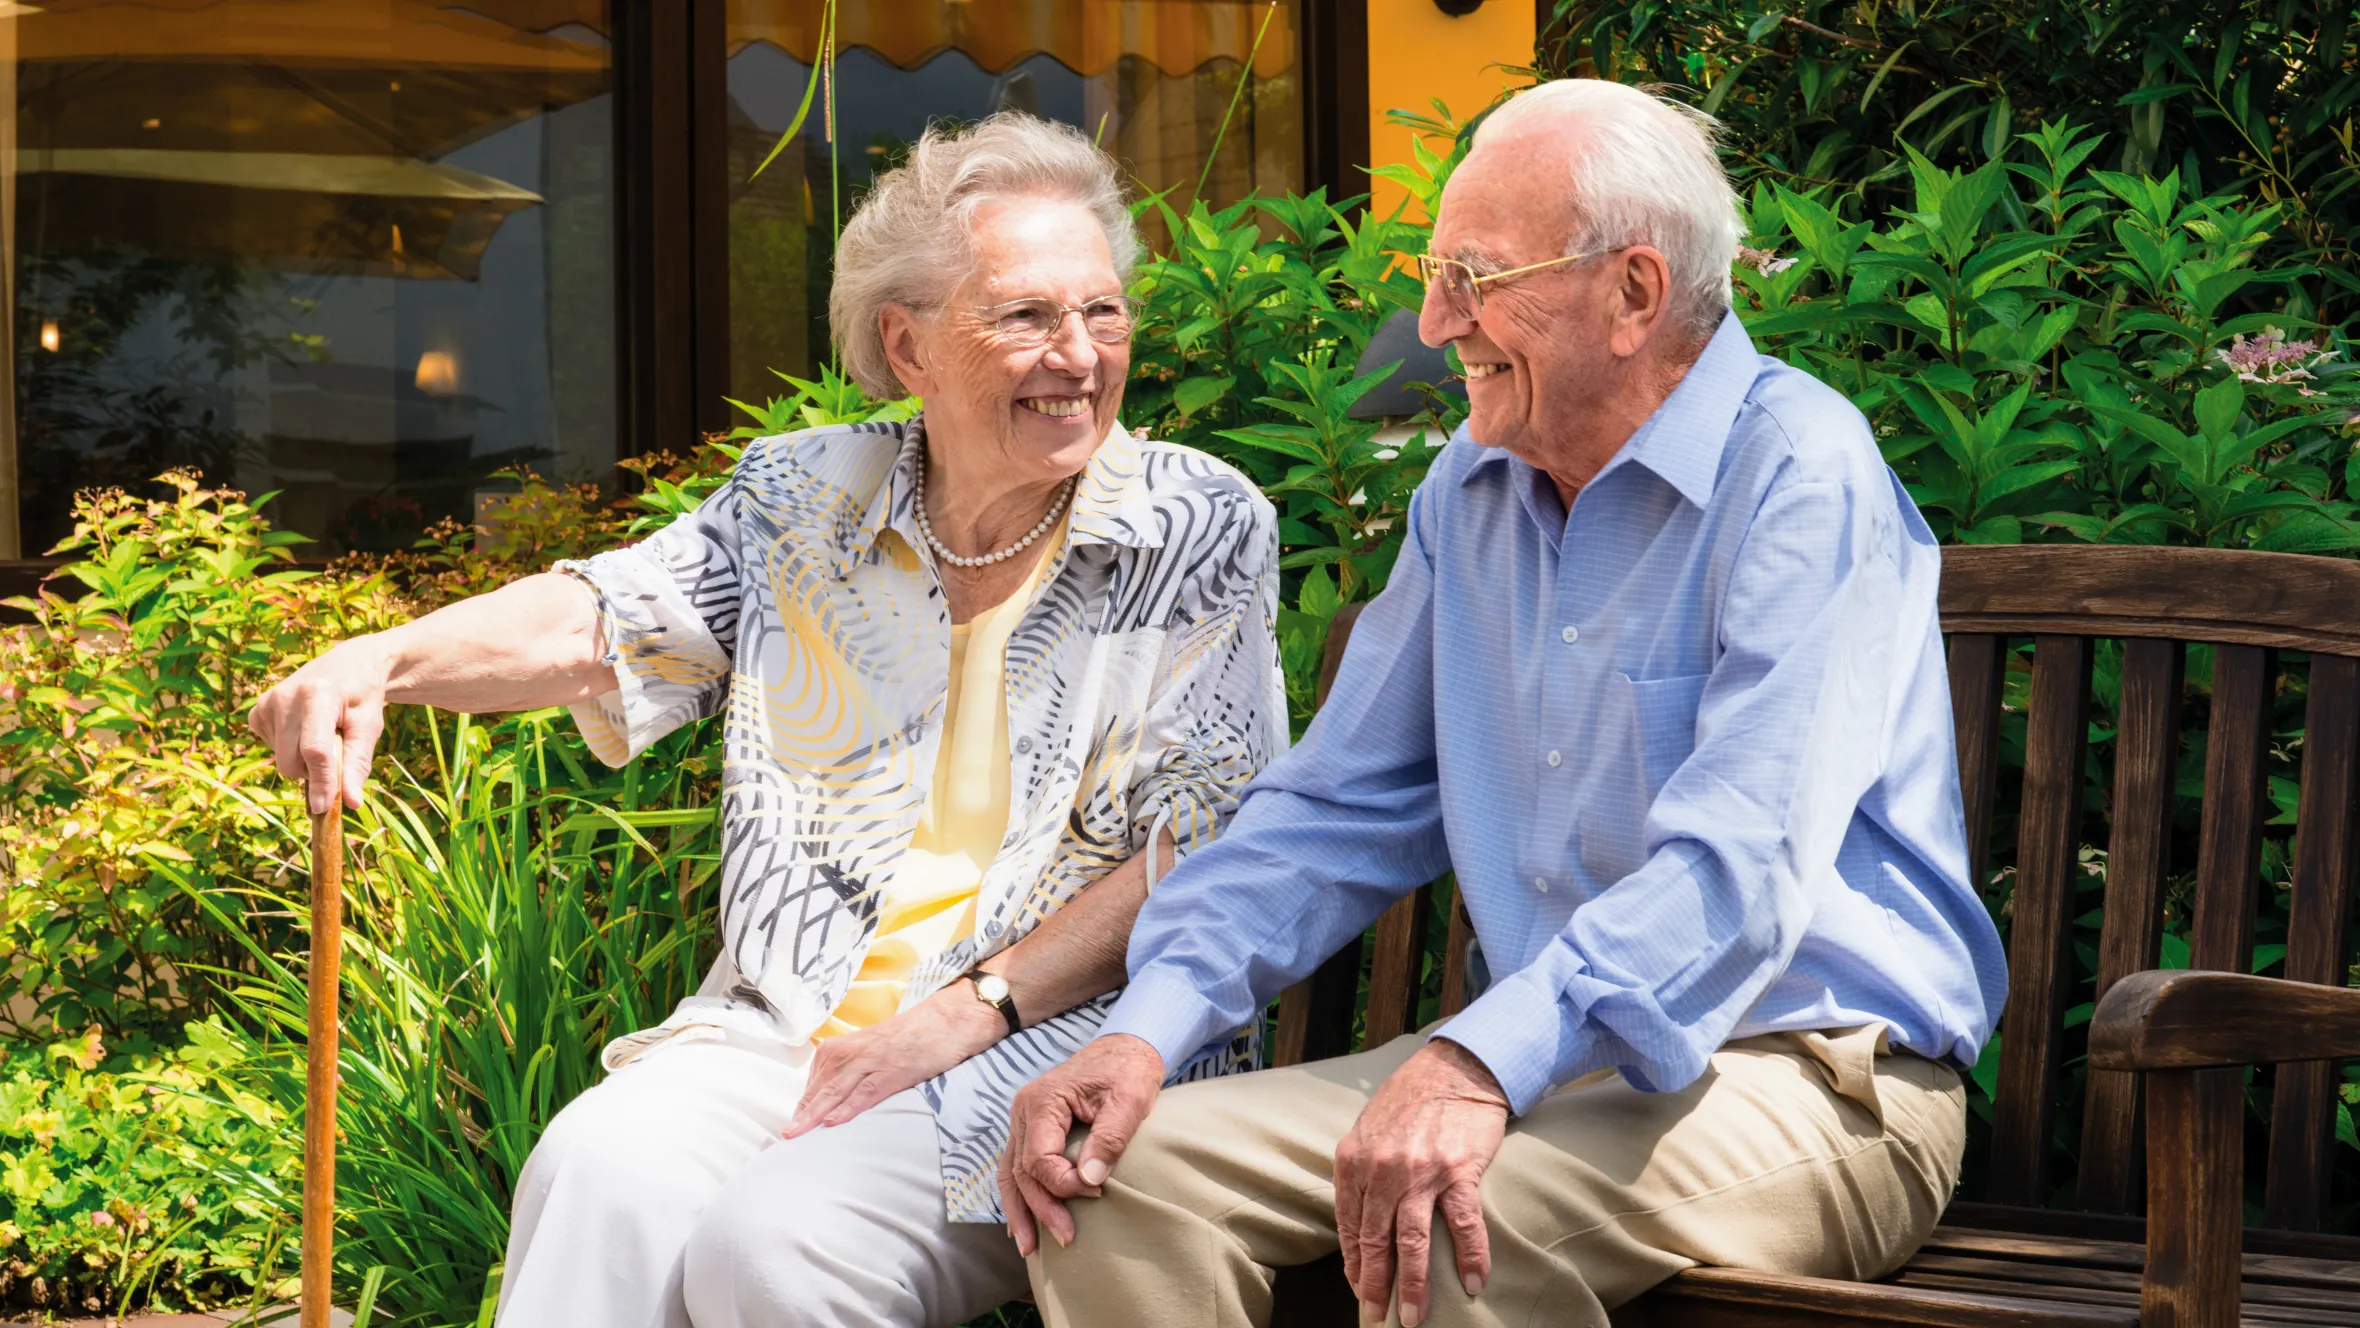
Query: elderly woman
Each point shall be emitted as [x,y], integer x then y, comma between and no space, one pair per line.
[982,671]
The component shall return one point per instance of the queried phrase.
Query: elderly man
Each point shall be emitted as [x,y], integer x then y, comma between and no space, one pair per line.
[1658,675]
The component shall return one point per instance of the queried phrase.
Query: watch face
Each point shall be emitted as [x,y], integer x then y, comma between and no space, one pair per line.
[992,987]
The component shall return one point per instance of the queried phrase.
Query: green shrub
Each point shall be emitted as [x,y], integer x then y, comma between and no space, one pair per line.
[2246,96]
[2051,351]
[151,1178]
[117,710]
[1246,348]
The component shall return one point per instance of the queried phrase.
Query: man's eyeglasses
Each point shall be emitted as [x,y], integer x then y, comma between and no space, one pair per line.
[1034,322]
[1460,287]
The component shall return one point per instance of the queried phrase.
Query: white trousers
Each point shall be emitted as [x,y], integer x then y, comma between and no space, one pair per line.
[665,1198]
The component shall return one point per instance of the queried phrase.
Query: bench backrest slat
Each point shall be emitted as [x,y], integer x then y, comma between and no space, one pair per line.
[1454,958]
[2048,841]
[1394,969]
[2302,1130]
[2220,930]
[1315,1015]
[2138,853]
[1977,665]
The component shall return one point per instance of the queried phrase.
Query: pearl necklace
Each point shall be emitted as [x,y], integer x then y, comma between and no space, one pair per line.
[943,550]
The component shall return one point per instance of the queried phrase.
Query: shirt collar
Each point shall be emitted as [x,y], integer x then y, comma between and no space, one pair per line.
[1109,504]
[1683,440]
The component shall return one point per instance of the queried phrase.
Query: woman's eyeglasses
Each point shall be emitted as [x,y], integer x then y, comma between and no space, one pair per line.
[1034,322]
[1460,287]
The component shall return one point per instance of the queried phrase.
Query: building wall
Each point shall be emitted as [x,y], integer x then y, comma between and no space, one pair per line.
[1417,53]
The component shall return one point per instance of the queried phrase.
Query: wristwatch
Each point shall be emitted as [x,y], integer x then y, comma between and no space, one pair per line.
[992,990]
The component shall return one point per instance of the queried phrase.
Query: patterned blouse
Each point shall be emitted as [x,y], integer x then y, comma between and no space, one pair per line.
[1144,691]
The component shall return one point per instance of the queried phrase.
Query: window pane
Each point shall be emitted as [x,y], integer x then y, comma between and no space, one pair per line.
[1154,80]
[355,251]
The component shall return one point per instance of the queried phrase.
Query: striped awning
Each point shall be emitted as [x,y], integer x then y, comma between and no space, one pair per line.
[1088,36]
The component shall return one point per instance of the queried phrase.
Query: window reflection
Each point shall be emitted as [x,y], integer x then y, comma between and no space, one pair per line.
[355,251]
[1152,79]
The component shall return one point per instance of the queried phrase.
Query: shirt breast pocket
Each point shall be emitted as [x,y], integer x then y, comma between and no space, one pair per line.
[1661,715]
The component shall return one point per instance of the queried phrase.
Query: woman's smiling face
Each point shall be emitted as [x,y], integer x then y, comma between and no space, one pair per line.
[1038,411]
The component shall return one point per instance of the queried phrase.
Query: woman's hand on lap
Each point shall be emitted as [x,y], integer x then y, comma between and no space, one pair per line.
[855,1071]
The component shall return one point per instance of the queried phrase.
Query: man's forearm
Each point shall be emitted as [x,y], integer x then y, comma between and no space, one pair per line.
[1078,951]
[529,644]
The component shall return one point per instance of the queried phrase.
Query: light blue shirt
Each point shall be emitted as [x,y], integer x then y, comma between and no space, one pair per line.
[1688,749]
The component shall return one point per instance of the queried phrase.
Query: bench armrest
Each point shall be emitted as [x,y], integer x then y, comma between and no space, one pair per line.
[2188,1019]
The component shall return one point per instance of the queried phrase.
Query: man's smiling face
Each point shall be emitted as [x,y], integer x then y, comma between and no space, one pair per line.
[1541,334]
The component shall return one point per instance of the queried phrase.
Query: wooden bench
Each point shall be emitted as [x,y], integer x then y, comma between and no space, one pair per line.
[2026,1251]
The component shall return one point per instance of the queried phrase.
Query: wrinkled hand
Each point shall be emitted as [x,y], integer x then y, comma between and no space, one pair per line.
[1424,1140]
[855,1071]
[1110,1085]
[341,692]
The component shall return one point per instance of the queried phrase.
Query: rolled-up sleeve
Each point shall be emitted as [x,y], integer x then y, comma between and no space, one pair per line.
[1216,711]
[668,613]
[1652,975]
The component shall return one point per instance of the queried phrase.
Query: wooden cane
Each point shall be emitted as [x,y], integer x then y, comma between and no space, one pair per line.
[319,1060]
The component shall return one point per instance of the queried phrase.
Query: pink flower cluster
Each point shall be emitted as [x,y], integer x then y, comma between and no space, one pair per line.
[1765,261]
[2270,358]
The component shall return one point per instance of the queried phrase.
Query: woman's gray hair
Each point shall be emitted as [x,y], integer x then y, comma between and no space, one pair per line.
[911,241]
[1648,174]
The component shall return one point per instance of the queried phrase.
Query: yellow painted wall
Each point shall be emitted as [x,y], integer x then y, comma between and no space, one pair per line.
[1416,53]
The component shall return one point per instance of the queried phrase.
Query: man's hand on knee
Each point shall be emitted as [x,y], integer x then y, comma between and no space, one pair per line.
[1109,1086]
[1422,1142]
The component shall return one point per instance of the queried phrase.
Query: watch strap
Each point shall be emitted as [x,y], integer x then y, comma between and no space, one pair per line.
[1006,1005]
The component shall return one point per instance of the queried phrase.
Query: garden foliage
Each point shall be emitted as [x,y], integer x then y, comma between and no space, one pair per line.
[2255,97]
[162,1180]
[2047,350]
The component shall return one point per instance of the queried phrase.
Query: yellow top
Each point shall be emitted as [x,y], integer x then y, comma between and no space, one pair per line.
[930,904]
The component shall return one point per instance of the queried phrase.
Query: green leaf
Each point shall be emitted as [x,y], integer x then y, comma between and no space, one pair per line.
[1994,530]
[2016,479]
[1319,597]
[2050,330]
[2083,526]
[2309,532]
[1985,1075]
[810,86]
[2217,408]
[1284,439]
[1928,308]
[1193,394]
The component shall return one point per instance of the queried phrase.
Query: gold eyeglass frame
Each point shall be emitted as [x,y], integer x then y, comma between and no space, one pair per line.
[1432,268]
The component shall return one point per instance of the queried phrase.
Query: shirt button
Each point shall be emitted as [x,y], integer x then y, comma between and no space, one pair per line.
[1555,758]
[1023,745]
[1541,883]
[1571,634]
[991,929]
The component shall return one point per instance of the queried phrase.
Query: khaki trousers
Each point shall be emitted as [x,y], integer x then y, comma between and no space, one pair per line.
[1805,1153]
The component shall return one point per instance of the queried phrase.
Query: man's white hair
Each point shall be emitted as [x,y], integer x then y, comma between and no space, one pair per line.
[911,241]
[1647,174]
